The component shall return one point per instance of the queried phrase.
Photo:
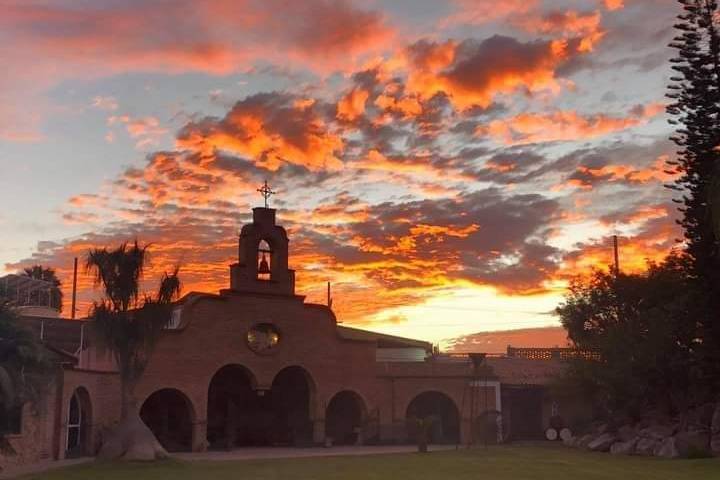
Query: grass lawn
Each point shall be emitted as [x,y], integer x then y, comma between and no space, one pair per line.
[496,463]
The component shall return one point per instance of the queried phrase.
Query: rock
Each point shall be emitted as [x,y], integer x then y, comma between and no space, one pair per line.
[601,428]
[715,424]
[715,445]
[645,446]
[667,448]
[702,417]
[624,448]
[626,433]
[570,441]
[602,443]
[658,432]
[585,440]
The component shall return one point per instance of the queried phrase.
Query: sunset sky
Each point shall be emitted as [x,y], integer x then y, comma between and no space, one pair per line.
[447,165]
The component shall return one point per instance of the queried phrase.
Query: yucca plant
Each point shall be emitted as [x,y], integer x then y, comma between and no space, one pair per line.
[128,325]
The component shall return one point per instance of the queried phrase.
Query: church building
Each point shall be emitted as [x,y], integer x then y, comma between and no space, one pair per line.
[256,365]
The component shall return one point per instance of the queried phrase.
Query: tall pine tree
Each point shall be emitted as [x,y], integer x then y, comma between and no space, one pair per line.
[695,108]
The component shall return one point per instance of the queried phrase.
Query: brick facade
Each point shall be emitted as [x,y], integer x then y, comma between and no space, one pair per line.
[210,331]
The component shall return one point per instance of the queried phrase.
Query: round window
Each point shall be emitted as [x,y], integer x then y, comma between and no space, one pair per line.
[263,338]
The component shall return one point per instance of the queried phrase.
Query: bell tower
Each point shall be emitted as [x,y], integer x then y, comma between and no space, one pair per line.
[263,255]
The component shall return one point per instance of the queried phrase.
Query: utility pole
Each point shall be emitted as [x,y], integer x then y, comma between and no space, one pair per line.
[616,255]
[74,290]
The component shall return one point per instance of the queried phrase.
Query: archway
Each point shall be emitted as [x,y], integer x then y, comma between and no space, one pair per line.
[442,413]
[169,414]
[291,400]
[344,417]
[238,415]
[79,424]
[234,411]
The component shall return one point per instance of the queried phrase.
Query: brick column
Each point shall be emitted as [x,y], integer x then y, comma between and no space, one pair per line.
[319,431]
[199,436]
[465,430]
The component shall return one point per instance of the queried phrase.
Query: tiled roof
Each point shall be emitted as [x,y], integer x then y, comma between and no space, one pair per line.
[524,371]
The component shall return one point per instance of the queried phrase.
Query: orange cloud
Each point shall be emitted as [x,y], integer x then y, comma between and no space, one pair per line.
[561,126]
[634,254]
[472,73]
[614,4]
[477,12]
[570,24]
[151,36]
[352,105]
[498,341]
[408,107]
[586,177]
[146,130]
[216,37]
[272,130]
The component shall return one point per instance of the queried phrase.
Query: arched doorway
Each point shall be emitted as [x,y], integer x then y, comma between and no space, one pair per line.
[291,399]
[234,413]
[239,415]
[442,414]
[344,417]
[79,424]
[169,414]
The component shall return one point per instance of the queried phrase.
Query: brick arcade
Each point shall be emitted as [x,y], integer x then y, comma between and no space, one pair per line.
[255,364]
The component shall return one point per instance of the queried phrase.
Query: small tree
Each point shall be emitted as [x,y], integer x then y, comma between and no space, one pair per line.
[422,429]
[129,325]
[25,366]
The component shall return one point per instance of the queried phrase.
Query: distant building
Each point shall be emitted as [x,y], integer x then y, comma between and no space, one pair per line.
[255,364]
[30,296]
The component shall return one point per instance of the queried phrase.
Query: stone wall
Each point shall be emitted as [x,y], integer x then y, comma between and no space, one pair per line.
[34,442]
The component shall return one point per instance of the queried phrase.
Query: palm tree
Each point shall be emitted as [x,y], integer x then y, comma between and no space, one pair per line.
[47,274]
[129,325]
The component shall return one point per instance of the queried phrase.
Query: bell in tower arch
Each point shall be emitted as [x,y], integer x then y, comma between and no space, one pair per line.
[263,268]
[264,258]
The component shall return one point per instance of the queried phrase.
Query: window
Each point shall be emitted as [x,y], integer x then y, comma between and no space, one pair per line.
[74,422]
[264,259]
[174,322]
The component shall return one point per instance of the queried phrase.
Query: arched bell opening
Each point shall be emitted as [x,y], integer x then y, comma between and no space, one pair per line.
[170,415]
[79,424]
[264,261]
[435,415]
[344,418]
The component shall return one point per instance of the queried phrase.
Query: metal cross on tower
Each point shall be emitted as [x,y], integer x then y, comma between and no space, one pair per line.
[266,192]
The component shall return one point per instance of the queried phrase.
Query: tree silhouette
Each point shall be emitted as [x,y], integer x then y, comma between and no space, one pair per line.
[24,366]
[638,323]
[695,108]
[129,325]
